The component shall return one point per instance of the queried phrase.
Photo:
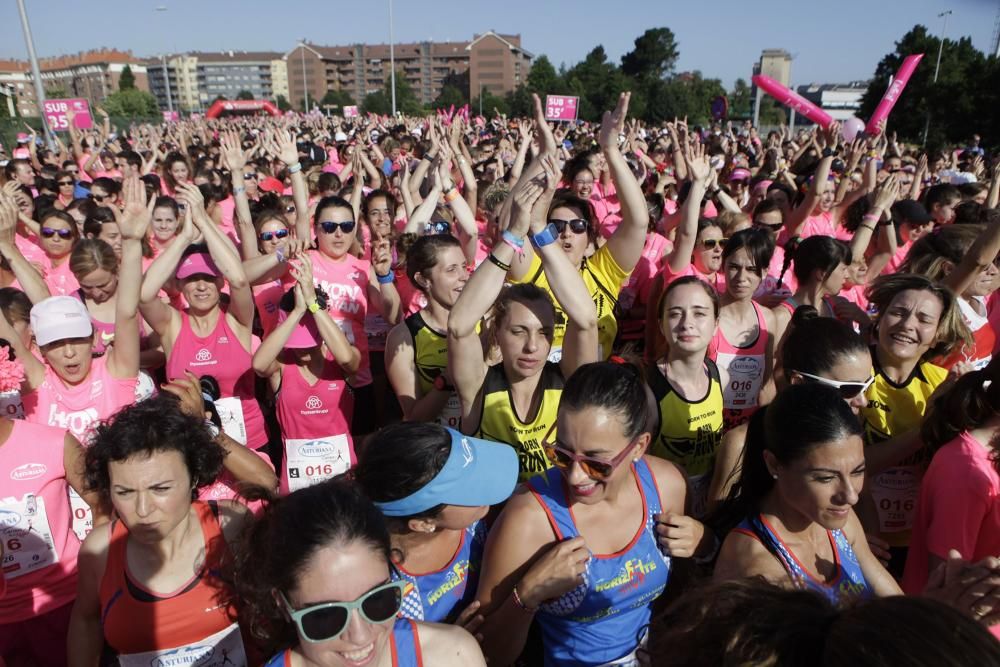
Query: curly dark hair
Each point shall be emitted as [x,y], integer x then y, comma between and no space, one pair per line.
[274,550]
[155,425]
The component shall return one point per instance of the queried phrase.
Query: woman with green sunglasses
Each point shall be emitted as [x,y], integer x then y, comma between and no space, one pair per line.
[326,597]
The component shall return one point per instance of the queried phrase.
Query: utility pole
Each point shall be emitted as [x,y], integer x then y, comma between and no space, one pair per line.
[392,60]
[36,73]
[937,66]
[305,84]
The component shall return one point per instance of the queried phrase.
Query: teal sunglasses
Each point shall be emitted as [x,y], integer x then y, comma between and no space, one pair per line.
[327,620]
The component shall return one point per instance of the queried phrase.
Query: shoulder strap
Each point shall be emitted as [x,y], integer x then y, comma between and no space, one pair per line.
[414,323]
[552,377]
[495,380]
[650,489]
[713,370]
[548,490]
[601,286]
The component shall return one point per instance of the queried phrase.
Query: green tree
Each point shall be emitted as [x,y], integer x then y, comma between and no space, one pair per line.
[245,95]
[131,102]
[127,80]
[519,102]
[771,113]
[490,102]
[542,79]
[380,102]
[688,94]
[597,83]
[449,95]
[282,103]
[337,98]
[741,100]
[654,55]
[954,105]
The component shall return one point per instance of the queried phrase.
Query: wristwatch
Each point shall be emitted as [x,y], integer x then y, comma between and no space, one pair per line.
[314,307]
[441,384]
[545,237]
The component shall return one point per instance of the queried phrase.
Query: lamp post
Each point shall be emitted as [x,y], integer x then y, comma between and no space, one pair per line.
[392,60]
[166,74]
[305,84]
[36,72]
[937,66]
[480,98]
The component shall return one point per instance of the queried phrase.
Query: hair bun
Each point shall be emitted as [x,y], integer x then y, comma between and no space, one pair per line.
[804,314]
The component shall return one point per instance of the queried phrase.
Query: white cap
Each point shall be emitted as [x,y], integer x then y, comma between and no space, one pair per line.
[59,318]
[340,136]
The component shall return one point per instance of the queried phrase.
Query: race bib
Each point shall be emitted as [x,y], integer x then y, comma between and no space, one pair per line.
[896,492]
[313,460]
[224,648]
[83,516]
[10,405]
[451,415]
[742,377]
[26,535]
[231,414]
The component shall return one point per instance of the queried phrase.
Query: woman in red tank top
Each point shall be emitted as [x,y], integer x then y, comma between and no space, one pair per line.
[149,583]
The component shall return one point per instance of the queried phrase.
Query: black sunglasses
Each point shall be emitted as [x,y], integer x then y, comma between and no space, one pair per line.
[48,232]
[61,183]
[250,176]
[709,244]
[331,227]
[277,234]
[289,209]
[98,197]
[774,227]
[437,227]
[577,225]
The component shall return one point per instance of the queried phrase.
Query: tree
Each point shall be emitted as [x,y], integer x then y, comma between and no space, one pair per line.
[245,95]
[131,102]
[741,100]
[490,102]
[597,83]
[449,95]
[654,55]
[542,79]
[688,94]
[380,102]
[459,80]
[282,103]
[337,98]
[771,113]
[955,105]
[127,80]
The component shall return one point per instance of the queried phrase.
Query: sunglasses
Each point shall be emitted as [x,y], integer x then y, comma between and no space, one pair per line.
[250,177]
[598,469]
[709,244]
[438,227]
[62,183]
[774,227]
[848,390]
[98,197]
[277,234]
[577,225]
[48,232]
[326,621]
[289,209]
[331,227]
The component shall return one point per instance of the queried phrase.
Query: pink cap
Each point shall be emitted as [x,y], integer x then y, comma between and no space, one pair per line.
[271,184]
[761,187]
[195,263]
[22,137]
[305,335]
[740,175]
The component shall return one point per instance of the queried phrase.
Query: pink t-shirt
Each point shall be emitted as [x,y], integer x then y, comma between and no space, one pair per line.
[267,297]
[346,285]
[669,276]
[959,508]
[897,259]
[60,279]
[28,245]
[222,355]
[818,225]
[78,408]
[35,506]
[637,288]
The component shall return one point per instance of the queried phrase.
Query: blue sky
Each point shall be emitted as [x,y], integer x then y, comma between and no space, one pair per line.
[839,43]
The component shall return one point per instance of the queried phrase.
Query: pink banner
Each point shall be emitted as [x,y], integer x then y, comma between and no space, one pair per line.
[560,107]
[351,111]
[171,116]
[55,113]
[892,93]
[793,100]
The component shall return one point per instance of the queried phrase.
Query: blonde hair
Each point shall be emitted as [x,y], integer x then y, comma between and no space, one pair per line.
[90,255]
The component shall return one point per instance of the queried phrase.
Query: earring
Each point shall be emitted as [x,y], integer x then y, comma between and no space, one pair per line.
[775,475]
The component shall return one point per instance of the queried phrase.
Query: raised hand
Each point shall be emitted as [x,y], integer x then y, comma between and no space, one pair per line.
[887,193]
[698,164]
[8,219]
[136,211]
[281,144]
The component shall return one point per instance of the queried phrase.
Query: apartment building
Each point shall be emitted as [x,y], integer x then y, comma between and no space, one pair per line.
[498,62]
[199,78]
[91,74]
[17,88]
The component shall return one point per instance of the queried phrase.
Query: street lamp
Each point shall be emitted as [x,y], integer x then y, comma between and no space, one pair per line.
[35,72]
[392,60]
[305,83]
[480,98]
[937,66]
[166,75]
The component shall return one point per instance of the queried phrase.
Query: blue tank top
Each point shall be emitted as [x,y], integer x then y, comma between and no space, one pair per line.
[441,596]
[850,581]
[403,643]
[605,618]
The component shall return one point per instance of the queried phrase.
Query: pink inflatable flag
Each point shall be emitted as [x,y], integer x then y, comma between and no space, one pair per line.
[892,94]
[793,100]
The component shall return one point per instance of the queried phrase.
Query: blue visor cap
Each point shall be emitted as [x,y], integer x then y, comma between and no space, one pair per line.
[477,472]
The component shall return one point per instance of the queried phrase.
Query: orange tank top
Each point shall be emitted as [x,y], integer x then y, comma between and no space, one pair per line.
[146,628]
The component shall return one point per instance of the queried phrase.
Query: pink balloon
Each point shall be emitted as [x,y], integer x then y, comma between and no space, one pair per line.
[892,94]
[793,100]
[851,128]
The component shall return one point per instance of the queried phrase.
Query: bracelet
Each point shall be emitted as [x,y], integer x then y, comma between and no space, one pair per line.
[279,252]
[867,227]
[386,279]
[871,216]
[212,428]
[885,223]
[520,603]
[239,190]
[514,242]
[295,168]
[451,195]
[497,263]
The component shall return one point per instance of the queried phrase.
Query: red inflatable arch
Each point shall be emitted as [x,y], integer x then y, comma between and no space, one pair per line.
[241,106]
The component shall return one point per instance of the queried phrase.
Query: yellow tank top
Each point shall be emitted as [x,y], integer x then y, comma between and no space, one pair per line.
[893,410]
[689,432]
[430,357]
[604,280]
[500,423]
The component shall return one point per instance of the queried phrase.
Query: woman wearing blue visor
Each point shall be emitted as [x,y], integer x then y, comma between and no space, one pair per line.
[435,486]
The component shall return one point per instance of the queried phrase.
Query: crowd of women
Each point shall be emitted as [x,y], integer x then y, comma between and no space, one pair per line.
[441,391]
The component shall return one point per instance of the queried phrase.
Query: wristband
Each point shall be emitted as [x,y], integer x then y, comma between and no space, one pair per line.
[279,252]
[451,195]
[871,227]
[295,168]
[885,223]
[870,216]
[514,242]
[828,152]
[314,307]
[520,603]
[545,237]
[386,279]
[212,428]
[239,190]
[497,263]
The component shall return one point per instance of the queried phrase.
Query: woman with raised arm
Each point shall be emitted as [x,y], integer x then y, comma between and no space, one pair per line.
[327,597]
[569,222]
[417,348]
[205,338]
[314,402]
[585,550]
[515,401]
